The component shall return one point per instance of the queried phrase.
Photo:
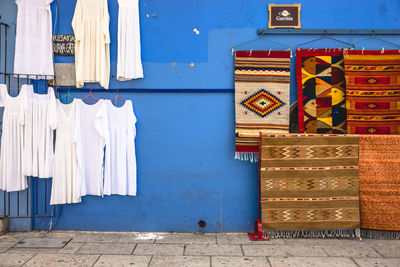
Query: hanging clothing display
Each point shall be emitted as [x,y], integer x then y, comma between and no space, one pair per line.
[92,42]
[68,184]
[33,40]
[373,89]
[12,139]
[262,87]
[40,123]
[129,63]
[120,159]
[321,89]
[94,135]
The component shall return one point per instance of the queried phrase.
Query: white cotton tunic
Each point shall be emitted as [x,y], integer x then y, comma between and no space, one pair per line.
[39,127]
[68,185]
[92,42]
[94,137]
[129,63]
[120,159]
[33,40]
[12,140]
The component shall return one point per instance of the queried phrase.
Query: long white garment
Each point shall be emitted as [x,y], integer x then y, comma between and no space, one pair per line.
[129,63]
[92,42]
[120,159]
[68,184]
[39,126]
[12,139]
[94,137]
[33,40]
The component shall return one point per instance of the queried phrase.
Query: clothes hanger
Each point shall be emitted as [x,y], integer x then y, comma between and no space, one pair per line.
[90,94]
[373,37]
[326,36]
[258,38]
[122,100]
[66,96]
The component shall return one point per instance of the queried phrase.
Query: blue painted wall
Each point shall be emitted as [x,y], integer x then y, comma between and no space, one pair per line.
[185,141]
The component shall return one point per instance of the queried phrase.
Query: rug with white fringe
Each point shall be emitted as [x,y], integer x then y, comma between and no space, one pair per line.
[262,90]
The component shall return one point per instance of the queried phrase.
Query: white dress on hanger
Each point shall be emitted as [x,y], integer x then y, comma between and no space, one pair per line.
[92,42]
[94,137]
[129,63]
[120,159]
[12,139]
[33,40]
[39,126]
[68,183]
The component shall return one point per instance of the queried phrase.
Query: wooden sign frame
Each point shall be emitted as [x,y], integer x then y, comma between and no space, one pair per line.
[284,16]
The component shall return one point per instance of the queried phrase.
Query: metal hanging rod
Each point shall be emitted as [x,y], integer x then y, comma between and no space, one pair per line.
[328,31]
[142,90]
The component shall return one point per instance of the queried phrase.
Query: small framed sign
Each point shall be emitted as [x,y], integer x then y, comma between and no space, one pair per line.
[64,45]
[284,16]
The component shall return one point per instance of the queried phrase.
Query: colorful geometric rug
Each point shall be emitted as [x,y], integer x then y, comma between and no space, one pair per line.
[262,92]
[379,168]
[309,185]
[373,91]
[321,91]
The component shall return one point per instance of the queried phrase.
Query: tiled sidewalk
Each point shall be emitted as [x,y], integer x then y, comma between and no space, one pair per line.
[64,248]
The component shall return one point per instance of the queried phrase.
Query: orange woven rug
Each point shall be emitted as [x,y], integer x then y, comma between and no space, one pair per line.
[379,173]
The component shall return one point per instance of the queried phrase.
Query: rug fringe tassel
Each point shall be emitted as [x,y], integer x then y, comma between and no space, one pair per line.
[247,156]
[330,233]
[376,234]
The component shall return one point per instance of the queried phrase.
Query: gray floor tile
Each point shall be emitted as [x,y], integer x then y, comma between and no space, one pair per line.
[313,241]
[239,261]
[375,262]
[243,239]
[62,260]
[389,251]
[361,250]
[181,261]
[5,245]
[70,248]
[37,242]
[159,249]
[96,237]
[66,234]
[310,262]
[32,251]
[186,238]
[123,260]
[14,260]
[283,250]
[18,236]
[138,237]
[213,250]
[107,248]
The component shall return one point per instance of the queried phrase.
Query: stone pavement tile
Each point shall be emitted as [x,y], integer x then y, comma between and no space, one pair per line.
[374,262]
[5,245]
[313,241]
[239,261]
[159,249]
[123,260]
[181,261]
[310,262]
[18,236]
[354,250]
[243,239]
[107,248]
[138,237]
[283,250]
[62,260]
[95,237]
[46,242]
[14,260]
[389,251]
[70,248]
[32,250]
[213,250]
[70,234]
[186,238]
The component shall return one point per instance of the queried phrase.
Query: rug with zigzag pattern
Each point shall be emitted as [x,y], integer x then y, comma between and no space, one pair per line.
[309,185]
[321,91]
